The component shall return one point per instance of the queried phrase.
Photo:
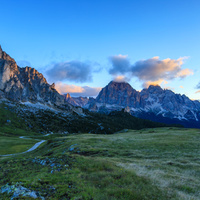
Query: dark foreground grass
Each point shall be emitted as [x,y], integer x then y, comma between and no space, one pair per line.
[83,178]
[11,145]
[13,125]
[59,170]
[148,164]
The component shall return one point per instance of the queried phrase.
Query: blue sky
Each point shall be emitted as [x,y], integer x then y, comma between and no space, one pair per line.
[74,42]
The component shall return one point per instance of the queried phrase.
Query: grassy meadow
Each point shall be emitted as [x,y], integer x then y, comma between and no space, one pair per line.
[11,145]
[159,163]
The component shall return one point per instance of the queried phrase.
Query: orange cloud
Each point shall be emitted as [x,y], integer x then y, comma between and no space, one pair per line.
[121,79]
[63,88]
[198,91]
[158,82]
[150,71]
[185,72]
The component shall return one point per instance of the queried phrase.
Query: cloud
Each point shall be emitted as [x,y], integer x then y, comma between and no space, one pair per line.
[198,91]
[158,82]
[72,71]
[77,90]
[65,88]
[154,69]
[120,64]
[185,72]
[150,71]
[121,79]
[198,86]
[90,91]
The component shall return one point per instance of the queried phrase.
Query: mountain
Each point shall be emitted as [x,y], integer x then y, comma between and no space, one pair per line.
[76,101]
[26,84]
[153,103]
[28,102]
[168,103]
[121,94]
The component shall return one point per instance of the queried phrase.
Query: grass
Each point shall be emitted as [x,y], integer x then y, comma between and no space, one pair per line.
[9,118]
[19,117]
[159,163]
[12,145]
[11,124]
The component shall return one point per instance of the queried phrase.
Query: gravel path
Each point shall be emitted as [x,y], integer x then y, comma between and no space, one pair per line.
[29,150]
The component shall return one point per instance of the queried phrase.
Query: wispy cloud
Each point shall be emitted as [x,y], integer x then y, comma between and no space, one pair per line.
[121,79]
[198,91]
[150,71]
[120,64]
[72,71]
[75,90]
[158,82]
[198,86]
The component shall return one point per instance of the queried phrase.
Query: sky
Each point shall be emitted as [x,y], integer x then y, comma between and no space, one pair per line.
[82,45]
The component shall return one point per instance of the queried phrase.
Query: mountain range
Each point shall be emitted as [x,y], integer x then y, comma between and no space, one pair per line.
[29,102]
[25,84]
[153,103]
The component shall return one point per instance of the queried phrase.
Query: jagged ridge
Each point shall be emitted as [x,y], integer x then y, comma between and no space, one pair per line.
[76,101]
[153,103]
[25,84]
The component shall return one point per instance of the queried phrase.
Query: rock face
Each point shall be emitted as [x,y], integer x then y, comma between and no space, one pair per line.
[168,103]
[76,101]
[153,103]
[121,94]
[25,84]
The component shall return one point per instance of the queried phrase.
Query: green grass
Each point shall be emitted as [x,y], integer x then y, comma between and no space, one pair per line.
[12,145]
[16,118]
[9,118]
[11,124]
[160,163]
[170,157]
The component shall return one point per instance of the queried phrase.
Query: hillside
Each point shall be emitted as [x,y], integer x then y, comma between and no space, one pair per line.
[38,119]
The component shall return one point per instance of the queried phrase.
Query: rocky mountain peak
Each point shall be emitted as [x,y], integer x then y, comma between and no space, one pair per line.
[5,56]
[25,84]
[67,96]
[152,101]
[119,93]
[76,101]
[154,89]
[119,85]
[53,86]
[1,52]
[34,76]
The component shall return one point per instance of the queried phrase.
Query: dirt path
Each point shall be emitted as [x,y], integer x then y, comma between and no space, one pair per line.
[35,146]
